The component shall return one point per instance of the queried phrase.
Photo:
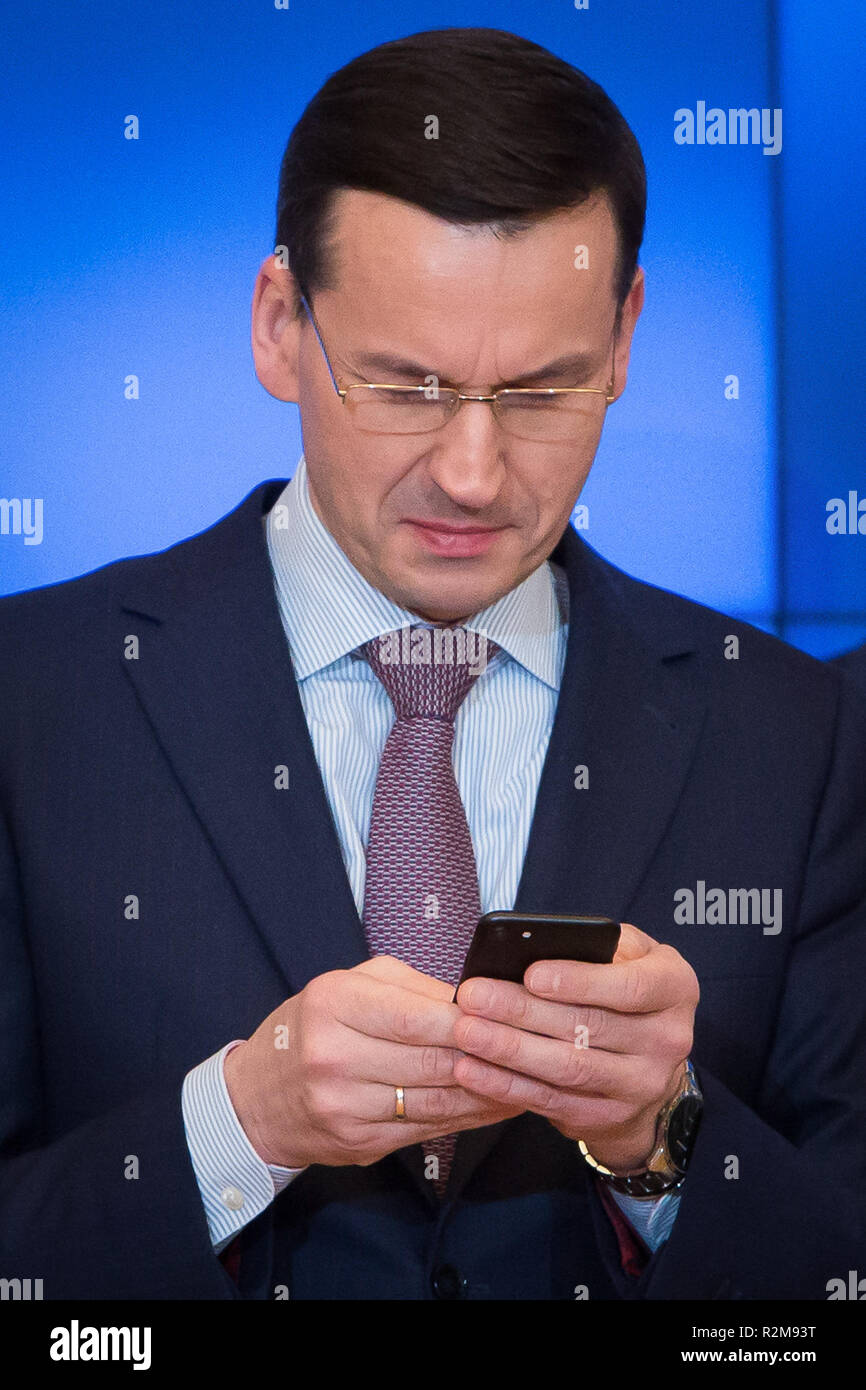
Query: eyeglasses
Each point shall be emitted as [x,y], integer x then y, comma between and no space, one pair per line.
[560,414]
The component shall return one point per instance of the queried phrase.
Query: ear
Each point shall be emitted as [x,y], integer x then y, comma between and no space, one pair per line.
[629,317]
[276,330]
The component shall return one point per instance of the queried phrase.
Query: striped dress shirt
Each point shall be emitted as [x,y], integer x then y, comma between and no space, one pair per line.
[501,732]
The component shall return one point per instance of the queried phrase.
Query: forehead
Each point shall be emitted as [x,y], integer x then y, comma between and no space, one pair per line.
[394,264]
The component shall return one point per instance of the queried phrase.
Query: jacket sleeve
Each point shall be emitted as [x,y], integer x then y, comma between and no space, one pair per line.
[71,1212]
[786,1172]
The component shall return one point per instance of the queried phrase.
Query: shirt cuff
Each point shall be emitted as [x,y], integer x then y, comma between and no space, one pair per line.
[651,1219]
[236,1185]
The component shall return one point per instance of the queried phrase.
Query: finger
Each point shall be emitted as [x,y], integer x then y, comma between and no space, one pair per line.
[581,1111]
[390,970]
[551,1061]
[430,1110]
[399,1064]
[659,980]
[633,943]
[506,1002]
[376,1009]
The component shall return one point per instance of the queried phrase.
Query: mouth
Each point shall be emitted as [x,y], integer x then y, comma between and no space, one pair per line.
[445,538]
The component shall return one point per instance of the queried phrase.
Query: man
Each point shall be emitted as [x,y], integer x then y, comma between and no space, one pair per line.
[233,839]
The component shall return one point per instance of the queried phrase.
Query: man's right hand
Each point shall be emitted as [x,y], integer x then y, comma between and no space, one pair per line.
[316,1081]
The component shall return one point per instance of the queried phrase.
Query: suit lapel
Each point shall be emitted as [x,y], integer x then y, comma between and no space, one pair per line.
[215,680]
[629,714]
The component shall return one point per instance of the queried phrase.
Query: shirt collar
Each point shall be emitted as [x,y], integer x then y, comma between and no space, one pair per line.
[328,608]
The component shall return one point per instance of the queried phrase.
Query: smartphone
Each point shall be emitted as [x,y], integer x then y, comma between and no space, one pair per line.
[505,944]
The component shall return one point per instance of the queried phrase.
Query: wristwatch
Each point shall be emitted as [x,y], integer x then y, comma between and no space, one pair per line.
[666,1166]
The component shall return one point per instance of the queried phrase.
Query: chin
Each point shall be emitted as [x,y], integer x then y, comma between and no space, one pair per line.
[440,608]
[442,601]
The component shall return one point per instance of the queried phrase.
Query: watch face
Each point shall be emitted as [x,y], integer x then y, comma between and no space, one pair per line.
[682,1127]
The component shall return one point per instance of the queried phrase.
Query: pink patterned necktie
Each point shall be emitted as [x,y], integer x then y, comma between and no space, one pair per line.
[421,900]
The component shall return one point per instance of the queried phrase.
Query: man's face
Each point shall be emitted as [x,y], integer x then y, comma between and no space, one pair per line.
[417,297]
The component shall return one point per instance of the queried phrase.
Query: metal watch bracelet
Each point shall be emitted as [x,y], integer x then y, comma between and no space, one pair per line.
[666,1166]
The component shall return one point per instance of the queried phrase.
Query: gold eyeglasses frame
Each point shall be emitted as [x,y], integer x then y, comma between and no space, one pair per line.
[508,391]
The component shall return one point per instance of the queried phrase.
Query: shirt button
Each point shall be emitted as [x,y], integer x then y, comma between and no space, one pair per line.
[232,1197]
[448,1283]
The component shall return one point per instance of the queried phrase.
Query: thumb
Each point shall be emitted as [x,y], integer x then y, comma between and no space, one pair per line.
[633,943]
[392,971]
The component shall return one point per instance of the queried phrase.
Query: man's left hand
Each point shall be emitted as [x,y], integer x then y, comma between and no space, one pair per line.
[596,1049]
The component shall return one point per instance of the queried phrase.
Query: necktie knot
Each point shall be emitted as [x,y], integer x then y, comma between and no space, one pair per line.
[428,672]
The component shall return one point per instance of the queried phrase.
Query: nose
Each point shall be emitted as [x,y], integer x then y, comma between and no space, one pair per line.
[468,455]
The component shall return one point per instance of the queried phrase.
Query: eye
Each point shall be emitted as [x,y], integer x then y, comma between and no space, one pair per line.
[405,395]
[534,400]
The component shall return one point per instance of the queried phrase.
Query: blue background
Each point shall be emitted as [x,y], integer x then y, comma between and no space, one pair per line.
[140,257]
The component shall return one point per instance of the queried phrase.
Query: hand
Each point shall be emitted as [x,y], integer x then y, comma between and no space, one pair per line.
[597,1049]
[315,1083]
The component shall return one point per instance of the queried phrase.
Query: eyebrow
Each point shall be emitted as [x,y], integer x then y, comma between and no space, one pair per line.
[391,364]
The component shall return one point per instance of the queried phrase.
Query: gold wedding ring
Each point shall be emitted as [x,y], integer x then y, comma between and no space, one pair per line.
[399,1107]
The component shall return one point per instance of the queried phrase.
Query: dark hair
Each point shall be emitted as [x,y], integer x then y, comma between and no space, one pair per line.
[521,134]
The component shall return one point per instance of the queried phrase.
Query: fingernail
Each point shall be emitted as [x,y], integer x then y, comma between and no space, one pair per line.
[544,979]
[478,995]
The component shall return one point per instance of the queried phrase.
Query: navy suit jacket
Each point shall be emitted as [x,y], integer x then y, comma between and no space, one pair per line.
[154,777]
[854,662]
